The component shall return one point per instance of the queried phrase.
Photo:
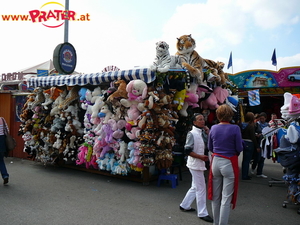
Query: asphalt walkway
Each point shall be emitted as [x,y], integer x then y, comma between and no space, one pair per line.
[38,195]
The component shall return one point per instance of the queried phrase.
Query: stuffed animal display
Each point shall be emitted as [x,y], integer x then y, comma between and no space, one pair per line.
[129,124]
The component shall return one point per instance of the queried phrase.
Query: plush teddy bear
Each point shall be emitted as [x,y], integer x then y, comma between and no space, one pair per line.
[95,94]
[99,102]
[137,92]
[123,151]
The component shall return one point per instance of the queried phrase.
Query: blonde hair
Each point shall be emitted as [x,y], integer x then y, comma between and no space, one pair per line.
[224,113]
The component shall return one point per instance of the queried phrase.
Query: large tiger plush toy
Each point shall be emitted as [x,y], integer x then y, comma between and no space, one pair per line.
[216,69]
[162,61]
[189,58]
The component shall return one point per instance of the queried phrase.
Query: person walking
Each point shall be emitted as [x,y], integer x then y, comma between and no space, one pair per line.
[225,142]
[258,159]
[3,169]
[194,148]
[250,143]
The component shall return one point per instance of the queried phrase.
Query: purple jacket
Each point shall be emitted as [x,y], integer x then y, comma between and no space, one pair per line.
[225,139]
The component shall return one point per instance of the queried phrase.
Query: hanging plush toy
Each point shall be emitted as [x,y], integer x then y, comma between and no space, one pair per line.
[137,92]
[120,92]
[106,112]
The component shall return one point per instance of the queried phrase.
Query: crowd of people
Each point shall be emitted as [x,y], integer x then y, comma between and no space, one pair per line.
[225,141]
[221,146]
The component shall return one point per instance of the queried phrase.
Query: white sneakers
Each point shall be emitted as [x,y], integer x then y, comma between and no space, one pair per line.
[262,176]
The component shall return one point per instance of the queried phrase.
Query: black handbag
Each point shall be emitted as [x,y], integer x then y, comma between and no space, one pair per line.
[10,141]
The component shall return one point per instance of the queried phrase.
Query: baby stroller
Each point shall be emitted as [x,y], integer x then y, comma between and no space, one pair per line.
[289,157]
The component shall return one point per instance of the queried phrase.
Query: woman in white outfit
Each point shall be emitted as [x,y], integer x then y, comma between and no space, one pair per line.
[194,148]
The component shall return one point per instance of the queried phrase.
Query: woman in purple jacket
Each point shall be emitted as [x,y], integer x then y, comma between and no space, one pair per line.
[225,142]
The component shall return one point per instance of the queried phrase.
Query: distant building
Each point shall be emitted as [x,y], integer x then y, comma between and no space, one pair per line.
[260,82]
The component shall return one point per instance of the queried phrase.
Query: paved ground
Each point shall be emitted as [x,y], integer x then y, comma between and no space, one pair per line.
[39,195]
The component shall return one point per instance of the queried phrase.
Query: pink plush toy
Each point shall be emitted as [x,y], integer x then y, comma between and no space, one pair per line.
[191,96]
[207,97]
[221,94]
[133,113]
[136,153]
[98,144]
[133,133]
[81,155]
[117,128]
[191,99]
[137,92]
[92,163]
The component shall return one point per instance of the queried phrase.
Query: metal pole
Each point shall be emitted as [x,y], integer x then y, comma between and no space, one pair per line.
[66,33]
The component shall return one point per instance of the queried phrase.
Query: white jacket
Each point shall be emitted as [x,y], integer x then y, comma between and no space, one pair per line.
[194,163]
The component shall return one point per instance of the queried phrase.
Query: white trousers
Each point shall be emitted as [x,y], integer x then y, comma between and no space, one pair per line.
[198,192]
[223,187]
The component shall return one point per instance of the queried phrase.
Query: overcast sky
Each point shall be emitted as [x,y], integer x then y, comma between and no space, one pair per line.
[123,33]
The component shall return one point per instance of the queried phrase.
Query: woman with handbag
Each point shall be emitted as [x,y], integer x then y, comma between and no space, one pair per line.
[3,170]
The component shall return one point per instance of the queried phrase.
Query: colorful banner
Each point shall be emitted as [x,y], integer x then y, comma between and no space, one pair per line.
[254,79]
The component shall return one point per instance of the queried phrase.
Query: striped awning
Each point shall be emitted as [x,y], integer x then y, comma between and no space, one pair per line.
[144,74]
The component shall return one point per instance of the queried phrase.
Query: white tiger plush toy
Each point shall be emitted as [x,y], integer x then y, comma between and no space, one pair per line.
[162,61]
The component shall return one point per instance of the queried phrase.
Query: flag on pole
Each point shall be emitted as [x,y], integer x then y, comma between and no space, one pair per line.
[254,98]
[230,61]
[274,60]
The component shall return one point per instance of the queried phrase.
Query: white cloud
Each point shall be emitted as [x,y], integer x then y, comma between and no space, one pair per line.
[269,14]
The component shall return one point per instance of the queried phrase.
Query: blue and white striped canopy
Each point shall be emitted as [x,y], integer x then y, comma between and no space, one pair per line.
[144,74]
